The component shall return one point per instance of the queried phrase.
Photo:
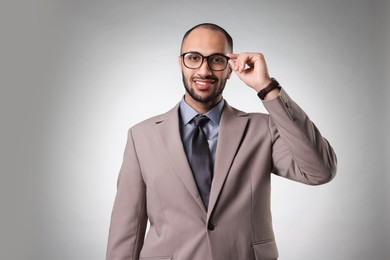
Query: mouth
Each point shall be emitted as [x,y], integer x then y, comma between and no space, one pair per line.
[204,84]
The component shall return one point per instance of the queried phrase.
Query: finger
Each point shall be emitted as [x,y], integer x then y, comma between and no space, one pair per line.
[237,60]
[233,64]
[233,60]
[243,61]
[232,55]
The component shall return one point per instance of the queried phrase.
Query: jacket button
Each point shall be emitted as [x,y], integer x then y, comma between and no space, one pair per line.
[211,226]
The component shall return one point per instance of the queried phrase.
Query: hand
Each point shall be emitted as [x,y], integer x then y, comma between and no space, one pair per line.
[251,69]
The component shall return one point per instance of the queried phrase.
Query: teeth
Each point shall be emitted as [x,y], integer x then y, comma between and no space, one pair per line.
[203,83]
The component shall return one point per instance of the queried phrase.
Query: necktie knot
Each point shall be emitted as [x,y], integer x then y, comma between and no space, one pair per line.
[200,120]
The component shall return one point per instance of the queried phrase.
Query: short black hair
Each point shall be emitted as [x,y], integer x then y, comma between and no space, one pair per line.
[210,26]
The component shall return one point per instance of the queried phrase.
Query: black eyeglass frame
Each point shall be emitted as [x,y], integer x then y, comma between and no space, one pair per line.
[207,58]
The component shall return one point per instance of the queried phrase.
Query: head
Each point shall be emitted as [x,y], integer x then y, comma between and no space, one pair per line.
[204,85]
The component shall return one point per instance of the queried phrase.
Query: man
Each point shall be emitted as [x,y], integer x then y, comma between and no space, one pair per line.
[211,199]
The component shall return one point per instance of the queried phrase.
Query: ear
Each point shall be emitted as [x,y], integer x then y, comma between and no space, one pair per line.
[180,60]
[230,72]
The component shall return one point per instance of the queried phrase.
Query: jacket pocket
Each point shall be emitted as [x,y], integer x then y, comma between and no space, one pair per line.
[265,250]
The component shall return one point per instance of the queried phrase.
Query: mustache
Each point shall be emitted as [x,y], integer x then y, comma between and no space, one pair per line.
[206,78]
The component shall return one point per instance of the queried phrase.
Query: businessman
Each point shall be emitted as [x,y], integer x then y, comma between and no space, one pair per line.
[200,173]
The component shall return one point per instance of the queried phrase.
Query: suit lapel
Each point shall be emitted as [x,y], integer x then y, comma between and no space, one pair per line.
[169,131]
[231,131]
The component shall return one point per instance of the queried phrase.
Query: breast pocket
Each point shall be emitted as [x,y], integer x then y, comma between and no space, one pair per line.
[265,250]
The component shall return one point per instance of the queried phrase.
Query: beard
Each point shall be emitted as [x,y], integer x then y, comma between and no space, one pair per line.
[212,97]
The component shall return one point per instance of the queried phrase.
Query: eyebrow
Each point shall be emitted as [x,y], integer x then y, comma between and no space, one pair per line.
[215,53]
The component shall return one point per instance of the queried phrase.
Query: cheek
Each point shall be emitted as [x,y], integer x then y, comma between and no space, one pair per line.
[224,75]
[187,75]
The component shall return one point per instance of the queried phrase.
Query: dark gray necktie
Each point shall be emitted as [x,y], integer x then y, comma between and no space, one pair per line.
[201,159]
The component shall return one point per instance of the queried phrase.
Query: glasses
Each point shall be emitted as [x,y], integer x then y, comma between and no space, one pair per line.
[216,61]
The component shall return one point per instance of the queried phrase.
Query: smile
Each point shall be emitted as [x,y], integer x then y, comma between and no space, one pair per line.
[204,84]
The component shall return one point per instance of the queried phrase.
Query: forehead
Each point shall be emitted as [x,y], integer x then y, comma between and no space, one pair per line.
[205,41]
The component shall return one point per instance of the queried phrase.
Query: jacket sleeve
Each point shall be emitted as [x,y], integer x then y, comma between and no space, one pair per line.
[129,218]
[299,151]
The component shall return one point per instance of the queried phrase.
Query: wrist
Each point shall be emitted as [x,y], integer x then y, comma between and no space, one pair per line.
[270,91]
[265,84]
[272,94]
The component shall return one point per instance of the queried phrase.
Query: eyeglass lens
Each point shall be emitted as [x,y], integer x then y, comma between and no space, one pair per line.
[194,60]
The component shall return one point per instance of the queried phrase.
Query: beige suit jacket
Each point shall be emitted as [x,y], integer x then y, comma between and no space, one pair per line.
[156,184]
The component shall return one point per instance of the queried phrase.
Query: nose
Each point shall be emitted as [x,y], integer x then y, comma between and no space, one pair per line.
[204,69]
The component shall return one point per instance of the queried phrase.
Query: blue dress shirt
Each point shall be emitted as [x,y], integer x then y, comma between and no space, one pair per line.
[211,129]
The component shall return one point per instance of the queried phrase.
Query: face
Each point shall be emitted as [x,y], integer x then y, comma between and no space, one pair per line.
[203,86]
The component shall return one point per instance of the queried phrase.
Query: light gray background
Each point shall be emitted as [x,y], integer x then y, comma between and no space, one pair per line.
[76,74]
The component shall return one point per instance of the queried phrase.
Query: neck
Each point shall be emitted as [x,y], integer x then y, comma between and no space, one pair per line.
[202,107]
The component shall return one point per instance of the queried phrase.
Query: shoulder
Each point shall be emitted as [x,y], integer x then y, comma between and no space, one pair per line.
[255,125]
[149,123]
[256,116]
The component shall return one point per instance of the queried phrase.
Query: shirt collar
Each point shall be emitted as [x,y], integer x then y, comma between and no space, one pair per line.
[188,113]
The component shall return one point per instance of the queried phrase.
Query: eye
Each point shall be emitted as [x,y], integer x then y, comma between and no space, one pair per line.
[218,59]
[193,57]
